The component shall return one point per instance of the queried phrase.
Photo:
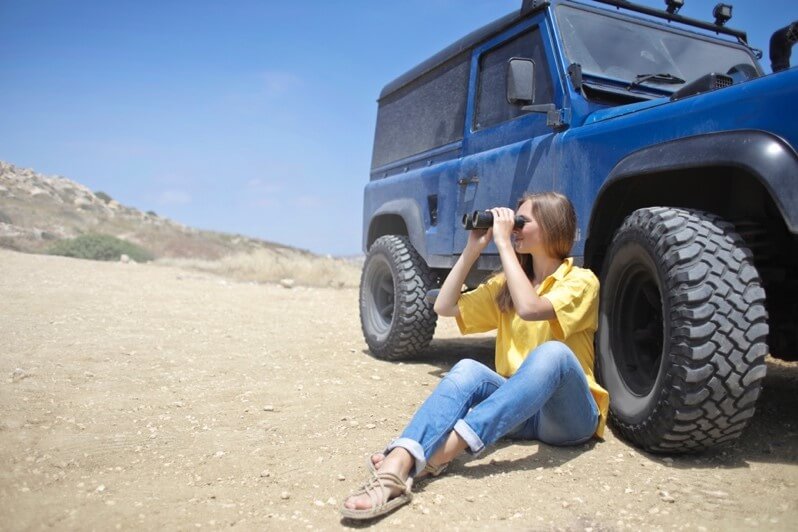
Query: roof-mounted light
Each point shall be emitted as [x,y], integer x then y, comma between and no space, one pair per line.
[674,6]
[722,14]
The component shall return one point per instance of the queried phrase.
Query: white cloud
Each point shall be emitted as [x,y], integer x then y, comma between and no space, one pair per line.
[277,83]
[308,202]
[174,197]
[260,186]
[265,202]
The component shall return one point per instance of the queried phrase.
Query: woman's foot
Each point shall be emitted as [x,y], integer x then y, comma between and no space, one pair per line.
[376,460]
[398,462]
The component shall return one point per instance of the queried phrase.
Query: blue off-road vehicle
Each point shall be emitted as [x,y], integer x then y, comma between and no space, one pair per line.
[679,155]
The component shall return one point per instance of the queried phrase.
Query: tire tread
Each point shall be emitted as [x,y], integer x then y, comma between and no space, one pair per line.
[414,320]
[719,330]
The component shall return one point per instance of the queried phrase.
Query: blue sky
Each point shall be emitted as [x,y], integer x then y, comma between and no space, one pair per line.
[252,117]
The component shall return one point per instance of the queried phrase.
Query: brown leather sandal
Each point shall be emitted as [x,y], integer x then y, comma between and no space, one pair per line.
[374,489]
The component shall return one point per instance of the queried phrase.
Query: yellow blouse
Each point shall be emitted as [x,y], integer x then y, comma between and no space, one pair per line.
[573,292]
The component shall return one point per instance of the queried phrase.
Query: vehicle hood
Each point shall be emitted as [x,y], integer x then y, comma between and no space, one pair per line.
[765,87]
[614,112]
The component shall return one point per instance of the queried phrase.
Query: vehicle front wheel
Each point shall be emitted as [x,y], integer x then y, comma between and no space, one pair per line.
[397,320]
[682,335]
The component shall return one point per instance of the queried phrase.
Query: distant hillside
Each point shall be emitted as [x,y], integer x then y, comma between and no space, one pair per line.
[36,210]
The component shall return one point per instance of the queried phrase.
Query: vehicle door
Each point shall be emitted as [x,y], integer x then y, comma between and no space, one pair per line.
[506,150]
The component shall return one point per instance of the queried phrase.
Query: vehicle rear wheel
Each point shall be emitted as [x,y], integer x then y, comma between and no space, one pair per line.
[397,320]
[682,334]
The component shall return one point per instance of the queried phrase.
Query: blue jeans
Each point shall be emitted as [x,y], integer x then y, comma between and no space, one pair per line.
[547,399]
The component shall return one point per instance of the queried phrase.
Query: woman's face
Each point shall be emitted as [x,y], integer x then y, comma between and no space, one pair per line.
[528,239]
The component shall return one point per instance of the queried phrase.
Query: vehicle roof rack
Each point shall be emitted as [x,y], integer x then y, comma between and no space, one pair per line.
[675,17]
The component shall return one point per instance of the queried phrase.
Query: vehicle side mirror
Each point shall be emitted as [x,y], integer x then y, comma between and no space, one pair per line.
[520,81]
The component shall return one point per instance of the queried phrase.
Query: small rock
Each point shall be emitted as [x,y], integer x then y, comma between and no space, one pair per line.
[287,283]
[470,498]
[331,501]
[124,258]
[265,474]
[370,425]
[268,408]
[716,494]
[341,477]
[566,504]
[285,495]
[19,374]
[100,488]
[219,454]
[318,503]
[376,378]
[666,497]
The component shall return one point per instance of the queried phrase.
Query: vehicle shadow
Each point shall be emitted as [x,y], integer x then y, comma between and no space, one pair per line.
[770,437]
[445,353]
[538,455]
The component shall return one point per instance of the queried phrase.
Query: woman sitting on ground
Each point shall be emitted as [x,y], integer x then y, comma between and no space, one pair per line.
[545,311]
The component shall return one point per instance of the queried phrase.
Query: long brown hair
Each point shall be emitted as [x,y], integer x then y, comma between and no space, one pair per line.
[556,217]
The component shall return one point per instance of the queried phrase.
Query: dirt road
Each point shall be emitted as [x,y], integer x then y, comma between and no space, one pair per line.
[145,397]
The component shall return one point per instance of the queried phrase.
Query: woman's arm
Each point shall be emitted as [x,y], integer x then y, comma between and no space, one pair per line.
[528,304]
[446,303]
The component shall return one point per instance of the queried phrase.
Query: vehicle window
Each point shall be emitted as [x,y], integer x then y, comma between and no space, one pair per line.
[492,104]
[634,49]
[425,114]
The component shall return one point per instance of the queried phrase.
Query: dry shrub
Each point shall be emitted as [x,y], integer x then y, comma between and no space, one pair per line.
[99,247]
[273,265]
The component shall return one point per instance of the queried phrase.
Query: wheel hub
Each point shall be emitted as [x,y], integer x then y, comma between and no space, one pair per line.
[637,330]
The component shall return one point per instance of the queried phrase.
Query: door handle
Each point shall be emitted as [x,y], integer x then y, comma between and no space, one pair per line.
[464,181]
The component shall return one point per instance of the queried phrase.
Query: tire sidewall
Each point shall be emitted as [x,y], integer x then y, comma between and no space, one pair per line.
[374,327]
[412,324]
[633,249]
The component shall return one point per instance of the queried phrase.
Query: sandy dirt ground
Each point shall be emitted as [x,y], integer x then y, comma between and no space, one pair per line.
[148,397]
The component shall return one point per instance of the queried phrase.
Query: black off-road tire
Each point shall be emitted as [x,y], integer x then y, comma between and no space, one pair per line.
[683,329]
[397,320]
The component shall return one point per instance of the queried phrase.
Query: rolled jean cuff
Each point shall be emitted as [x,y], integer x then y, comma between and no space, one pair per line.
[474,442]
[415,450]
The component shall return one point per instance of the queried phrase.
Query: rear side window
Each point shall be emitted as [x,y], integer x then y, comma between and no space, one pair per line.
[425,114]
[492,105]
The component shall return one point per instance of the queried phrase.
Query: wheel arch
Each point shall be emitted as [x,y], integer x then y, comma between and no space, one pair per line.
[735,174]
[398,217]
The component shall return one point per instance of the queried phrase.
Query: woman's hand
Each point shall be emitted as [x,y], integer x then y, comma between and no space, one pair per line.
[503,224]
[478,239]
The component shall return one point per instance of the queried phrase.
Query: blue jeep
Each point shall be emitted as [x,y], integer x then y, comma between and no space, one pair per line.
[680,157]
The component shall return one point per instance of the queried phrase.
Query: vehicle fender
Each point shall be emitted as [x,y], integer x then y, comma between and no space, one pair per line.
[765,156]
[409,211]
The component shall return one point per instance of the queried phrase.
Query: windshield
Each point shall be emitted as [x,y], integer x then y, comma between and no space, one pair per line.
[624,50]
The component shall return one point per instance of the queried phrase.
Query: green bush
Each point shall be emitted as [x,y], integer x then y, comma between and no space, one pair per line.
[103,196]
[99,247]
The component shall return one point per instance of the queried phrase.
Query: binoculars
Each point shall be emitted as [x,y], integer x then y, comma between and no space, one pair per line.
[484,220]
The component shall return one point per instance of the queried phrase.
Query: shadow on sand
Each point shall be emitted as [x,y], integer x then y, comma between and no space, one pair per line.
[771,435]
